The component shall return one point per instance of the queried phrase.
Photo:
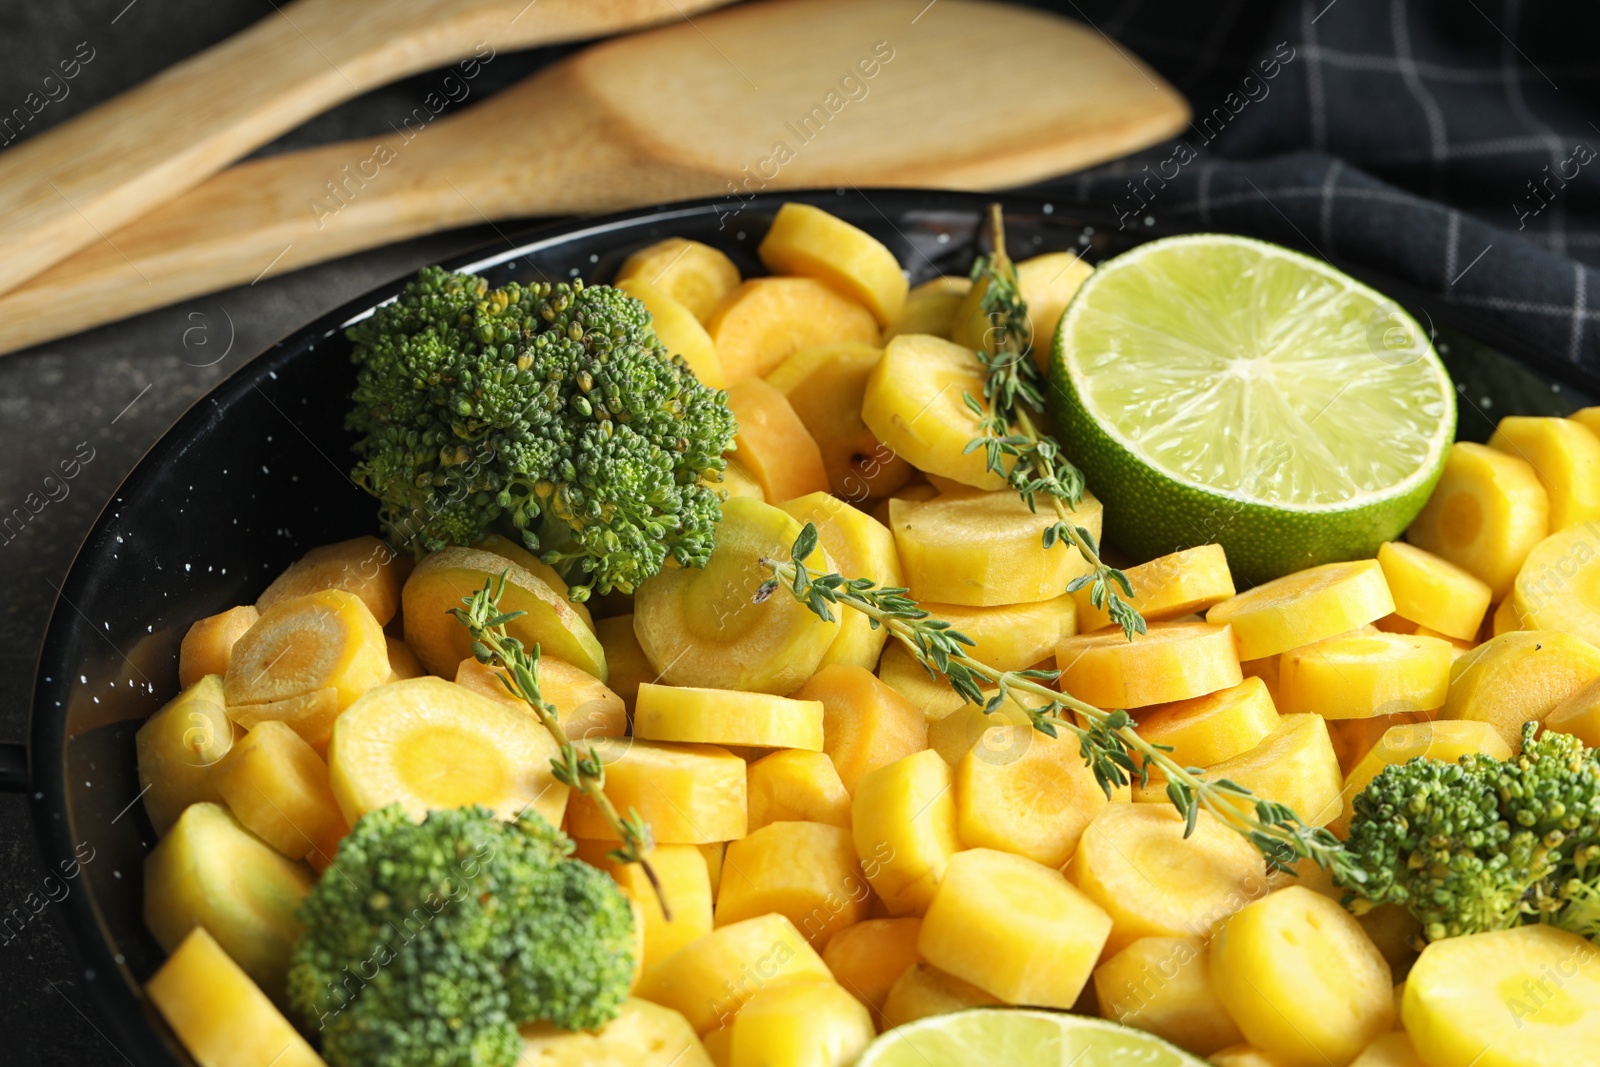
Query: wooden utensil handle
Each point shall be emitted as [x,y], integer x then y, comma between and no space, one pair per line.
[276,214]
[72,185]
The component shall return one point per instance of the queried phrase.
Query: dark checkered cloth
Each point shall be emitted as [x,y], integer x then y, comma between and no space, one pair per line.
[1452,144]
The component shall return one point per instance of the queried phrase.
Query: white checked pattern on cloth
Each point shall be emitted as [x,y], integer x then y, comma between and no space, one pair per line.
[1402,136]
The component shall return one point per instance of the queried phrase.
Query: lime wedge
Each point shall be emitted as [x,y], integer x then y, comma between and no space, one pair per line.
[1012,1037]
[1219,389]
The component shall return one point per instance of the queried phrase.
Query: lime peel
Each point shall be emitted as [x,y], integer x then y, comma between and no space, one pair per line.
[1220,389]
[1018,1037]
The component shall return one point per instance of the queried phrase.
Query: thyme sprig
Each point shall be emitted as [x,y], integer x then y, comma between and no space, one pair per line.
[1013,401]
[1108,740]
[518,670]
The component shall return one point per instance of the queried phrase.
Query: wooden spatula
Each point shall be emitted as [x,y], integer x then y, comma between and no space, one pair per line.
[791,93]
[66,188]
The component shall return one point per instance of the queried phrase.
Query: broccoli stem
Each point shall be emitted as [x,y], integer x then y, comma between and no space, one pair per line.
[519,672]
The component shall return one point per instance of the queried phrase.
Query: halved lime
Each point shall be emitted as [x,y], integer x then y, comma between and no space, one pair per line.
[1219,389]
[1012,1037]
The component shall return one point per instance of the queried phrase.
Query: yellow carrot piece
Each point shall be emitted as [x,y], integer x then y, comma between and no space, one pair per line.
[1209,729]
[1172,661]
[1565,455]
[1485,515]
[1359,676]
[807,241]
[1169,587]
[1433,592]
[1305,606]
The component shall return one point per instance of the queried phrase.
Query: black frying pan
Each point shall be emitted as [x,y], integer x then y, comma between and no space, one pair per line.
[255,473]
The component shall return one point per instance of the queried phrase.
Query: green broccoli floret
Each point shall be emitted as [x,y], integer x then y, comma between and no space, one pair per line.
[548,411]
[428,944]
[1484,844]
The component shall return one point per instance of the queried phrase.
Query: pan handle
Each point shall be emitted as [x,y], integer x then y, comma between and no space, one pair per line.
[13,768]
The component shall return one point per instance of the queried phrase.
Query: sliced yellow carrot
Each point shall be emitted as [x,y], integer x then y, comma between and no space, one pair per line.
[642,1035]
[1265,668]
[426,743]
[865,723]
[807,241]
[209,642]
[1014,928]
[1354,738]
[923,990]
[325,640]
[506,548]
[796,786]
[1558,587]
[736,481]
[626,663]
[805,871]
[1302,979]
[679,330]
[311,715]
[220,1015]
[1565,454]
[858,546]
[694,274]
[1519,677]
[772,443]
[680,870]
[825,386]
[901,671]
[709,980]
[803,1023]
[1579,715]
[903,821]
[724,717]
[1305,606]
[178,750]
[1169,587]
[1433,592]
[760,322]
[1047,284]
[584,705]
[364,566]
[702,625]
[713,852]
[982,549]
[913,490]
[1172,661]
[1295,765]
[1209,729]
[930,307]
[403,663]
[1135,862]
[444,578]
[1012,637]
[1359,676]
[1163,985]
[1485,515]
[867,958]
[277,786]
[1506,617]
[915,402]
[689,794]
[1457,645]
[971,726]
[1020,791]
[210,871]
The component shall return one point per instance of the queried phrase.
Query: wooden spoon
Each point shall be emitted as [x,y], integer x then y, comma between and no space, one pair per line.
[68,187]
[791,93]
